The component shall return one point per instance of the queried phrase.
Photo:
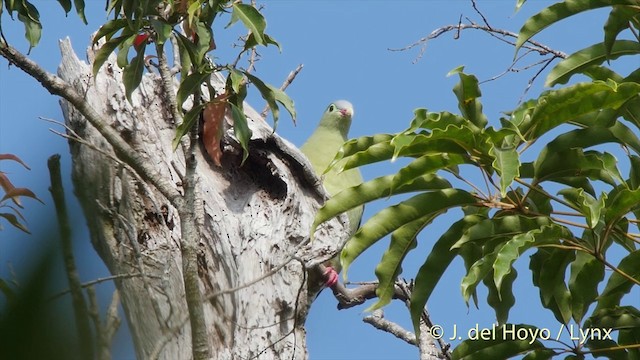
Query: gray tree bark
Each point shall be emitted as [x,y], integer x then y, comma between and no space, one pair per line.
[254,223]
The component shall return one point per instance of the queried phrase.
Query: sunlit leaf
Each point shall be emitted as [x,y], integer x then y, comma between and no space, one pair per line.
[403,240]
[393,217]
[252,20]
[593,55]
[560,11]
[241,129]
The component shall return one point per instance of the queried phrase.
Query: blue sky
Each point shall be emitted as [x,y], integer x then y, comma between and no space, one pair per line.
[344,48]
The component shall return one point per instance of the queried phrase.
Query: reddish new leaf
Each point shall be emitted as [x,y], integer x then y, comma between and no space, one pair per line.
[213,115]
[14,158]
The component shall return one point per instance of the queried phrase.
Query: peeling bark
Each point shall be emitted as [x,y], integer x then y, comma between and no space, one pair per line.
[253,218]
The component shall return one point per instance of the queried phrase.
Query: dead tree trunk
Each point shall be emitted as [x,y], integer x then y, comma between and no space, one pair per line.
[254,222]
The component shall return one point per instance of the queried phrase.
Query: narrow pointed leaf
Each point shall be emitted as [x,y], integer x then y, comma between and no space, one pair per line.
[506,226]
[593,55]
[425,165]
[393,217]
[252,20]
[371,190]
[560,106]
[512,249]
[66,5]
[189,85]
[507,163]
[188,121]
[586,273]
[403,240]
[560,11]
[478,271]
[468,93]
[132,73]
[501,298]
[241,129]
[548,267]
[435,265]
[618,285]
[618,21]
[587,204]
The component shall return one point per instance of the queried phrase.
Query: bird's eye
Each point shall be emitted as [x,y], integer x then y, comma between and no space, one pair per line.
[331,108]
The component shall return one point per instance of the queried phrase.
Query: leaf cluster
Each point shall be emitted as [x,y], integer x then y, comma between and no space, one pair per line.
[569,206]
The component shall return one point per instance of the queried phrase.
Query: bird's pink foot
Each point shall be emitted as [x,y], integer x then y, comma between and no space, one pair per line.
[330,276]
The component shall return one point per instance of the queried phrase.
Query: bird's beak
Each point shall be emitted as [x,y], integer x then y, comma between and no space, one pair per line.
[345,112]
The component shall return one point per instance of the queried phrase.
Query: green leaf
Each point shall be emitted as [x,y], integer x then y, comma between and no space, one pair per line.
[595,135]
[203,45]
[188,122]
[272,96]
[66,5]
[252,20]
[540,354]
[431,120]
[80,10]
[560,11]
[622,317]
[162,30]
[109,29]
[30,17]
[586,273]
[518,244]
[501,227]
[105,50]
[241,129]
[574,162]
[519,4]
[634,172]
[251,42]
[189,85]
[186,47]
[371,190]
[560,106]
[478,271]
[593,55]
[132,73]
[425,165]
[586,204]
[403,240]
[507,163]
[618,285]
[501,298]
[621,204]
[498,343]
[548,267]
[618,21]
[365,150]
[435,265]
[467,91]
[393,217]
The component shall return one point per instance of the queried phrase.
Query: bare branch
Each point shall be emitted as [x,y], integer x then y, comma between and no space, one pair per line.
[377,320]
[532,44]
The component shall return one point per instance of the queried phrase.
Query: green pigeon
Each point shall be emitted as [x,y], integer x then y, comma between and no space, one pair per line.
[321,148]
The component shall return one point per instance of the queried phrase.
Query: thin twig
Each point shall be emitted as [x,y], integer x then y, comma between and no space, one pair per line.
[81,312]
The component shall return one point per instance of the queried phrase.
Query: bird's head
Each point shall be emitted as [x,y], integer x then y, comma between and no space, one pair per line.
[338,115]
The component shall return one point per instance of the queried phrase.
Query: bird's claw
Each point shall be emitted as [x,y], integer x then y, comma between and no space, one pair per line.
[331,277]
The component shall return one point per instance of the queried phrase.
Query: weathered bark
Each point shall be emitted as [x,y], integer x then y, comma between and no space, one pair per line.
[253,218]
